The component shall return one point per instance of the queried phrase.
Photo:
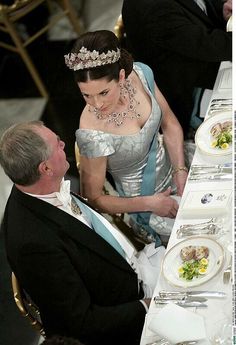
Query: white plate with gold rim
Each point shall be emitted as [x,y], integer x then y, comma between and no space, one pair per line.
[203,137]
[172,261]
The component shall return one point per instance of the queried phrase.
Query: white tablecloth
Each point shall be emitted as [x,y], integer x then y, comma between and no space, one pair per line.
[219,311]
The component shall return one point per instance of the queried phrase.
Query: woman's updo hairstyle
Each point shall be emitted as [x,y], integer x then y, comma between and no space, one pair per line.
[102,41]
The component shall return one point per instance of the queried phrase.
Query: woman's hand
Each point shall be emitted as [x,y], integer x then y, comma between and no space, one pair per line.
[163,205]
[180,179]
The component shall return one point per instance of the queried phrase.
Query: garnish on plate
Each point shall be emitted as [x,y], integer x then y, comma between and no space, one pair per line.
[195,262]
[222,135]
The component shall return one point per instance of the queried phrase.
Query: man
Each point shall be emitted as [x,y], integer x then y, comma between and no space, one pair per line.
[85,287]
[183,41]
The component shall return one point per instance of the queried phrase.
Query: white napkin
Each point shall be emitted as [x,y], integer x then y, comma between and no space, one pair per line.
[177,324]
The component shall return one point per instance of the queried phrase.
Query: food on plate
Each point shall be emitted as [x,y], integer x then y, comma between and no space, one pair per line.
[194,263]
[187,253]
[222,135]
[216,130]
[201,252]
[227,125]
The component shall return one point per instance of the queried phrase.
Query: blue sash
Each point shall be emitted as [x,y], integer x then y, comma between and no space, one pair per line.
[149,182]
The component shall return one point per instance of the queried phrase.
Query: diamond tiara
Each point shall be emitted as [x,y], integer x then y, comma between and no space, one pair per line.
[87,59]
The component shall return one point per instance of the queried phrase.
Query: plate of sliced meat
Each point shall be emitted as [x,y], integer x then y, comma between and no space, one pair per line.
[193,262]
[214,136]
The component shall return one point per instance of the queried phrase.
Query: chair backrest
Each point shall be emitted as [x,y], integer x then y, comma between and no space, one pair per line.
[11,14]
[26,306]
[119,31]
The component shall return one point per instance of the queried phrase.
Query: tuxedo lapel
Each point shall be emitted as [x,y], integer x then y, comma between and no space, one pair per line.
[192,7]
[72,227]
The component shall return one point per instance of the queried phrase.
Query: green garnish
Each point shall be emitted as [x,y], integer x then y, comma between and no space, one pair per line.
[193,268]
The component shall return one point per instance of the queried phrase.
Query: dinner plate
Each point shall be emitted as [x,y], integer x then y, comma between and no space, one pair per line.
[172,261]
[203,137]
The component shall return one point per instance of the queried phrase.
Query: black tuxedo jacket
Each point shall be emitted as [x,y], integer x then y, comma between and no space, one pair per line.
[182,45]
[82,286]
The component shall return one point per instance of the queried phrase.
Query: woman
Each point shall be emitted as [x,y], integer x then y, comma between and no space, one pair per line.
[118,125]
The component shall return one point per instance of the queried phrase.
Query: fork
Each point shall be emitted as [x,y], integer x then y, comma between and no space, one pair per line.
[227,272]
[211,229]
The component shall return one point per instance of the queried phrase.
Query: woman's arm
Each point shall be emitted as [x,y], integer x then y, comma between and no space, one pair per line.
[174,141]
[92,176]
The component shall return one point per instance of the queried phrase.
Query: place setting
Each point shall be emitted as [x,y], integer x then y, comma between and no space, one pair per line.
[210,172]
[220,105]
[214,135]
[179,306]
[193,262]
[214,227]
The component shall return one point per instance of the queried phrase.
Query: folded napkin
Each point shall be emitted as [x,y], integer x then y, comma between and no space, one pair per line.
[176,324]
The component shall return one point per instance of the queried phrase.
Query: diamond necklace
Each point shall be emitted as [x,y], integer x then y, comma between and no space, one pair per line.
[127,91]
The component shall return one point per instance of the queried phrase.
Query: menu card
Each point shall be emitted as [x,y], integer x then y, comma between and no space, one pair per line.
[207,203]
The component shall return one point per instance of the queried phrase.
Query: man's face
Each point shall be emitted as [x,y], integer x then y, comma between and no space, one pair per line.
[56,163]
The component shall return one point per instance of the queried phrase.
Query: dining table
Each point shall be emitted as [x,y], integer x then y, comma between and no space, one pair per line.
[206,204]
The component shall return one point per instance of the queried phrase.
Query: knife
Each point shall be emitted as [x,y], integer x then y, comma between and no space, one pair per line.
[199,177]
[204,169]
[184,304]
[207,294]
[180,298]
[221,100]
[221,105]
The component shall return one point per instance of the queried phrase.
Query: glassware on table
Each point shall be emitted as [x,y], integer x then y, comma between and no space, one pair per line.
[224,337]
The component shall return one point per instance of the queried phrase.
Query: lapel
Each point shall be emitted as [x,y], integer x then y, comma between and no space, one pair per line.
[192,7]
[71,227]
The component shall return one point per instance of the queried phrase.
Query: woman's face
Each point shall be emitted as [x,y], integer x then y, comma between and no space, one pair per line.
[101,94]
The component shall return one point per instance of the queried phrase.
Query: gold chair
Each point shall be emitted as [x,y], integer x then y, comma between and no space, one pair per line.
[10,15]
[119,29]
[26,306]
[117,219]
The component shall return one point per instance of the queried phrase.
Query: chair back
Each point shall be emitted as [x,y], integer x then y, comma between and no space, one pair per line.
[119,28]
[26,306]
[10,15]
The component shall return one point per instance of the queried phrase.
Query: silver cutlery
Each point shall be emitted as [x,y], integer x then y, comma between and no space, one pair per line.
[217,100]
[183,301]
[218,168]
[219,103]
[227,272]
[220,106]
[180,298]
[214,226]
[217,110]
[197,293]
[213,220]
[211,177]
[184,304]
[210,229]
[166,342]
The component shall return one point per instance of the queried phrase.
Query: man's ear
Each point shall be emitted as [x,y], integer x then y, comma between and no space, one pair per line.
[44,169]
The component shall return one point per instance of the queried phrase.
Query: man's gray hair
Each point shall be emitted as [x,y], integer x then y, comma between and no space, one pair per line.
[22,149]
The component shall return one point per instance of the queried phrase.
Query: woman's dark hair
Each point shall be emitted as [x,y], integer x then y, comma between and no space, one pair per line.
[102,41]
